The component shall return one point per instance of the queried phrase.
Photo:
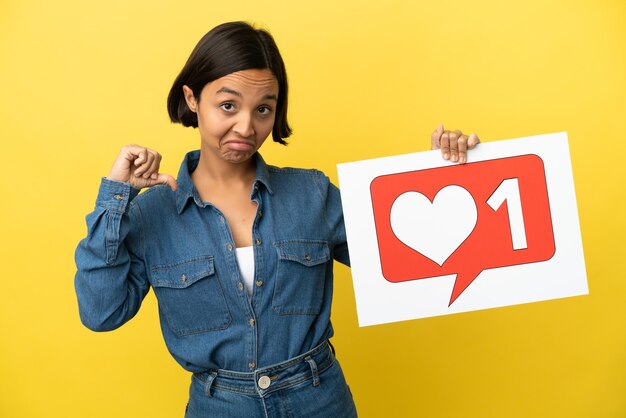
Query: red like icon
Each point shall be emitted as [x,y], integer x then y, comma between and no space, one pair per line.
[462,219]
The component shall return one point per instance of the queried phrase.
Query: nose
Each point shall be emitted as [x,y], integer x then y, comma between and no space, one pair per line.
[244,126]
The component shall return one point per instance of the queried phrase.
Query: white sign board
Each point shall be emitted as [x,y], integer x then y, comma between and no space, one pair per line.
[428,237]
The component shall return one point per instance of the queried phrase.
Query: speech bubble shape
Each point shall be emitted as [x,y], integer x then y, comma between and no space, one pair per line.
[513,226]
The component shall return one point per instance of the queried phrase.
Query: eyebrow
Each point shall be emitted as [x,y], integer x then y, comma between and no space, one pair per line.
[236,93]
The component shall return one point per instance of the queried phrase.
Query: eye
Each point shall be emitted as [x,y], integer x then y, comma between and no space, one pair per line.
[228,107]
[265,110]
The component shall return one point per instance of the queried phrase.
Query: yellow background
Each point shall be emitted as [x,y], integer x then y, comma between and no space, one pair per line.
[79,79]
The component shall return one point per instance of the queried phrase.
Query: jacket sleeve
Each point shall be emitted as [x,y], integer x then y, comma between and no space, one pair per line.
[111,279]
[334,218]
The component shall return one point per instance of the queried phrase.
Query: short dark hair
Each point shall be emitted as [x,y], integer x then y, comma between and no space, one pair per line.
[225,49]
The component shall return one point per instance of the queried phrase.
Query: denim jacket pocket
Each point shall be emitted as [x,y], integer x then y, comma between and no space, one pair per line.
[190,296]
[300,276]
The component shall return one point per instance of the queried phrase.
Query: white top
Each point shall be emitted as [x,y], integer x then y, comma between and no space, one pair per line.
[245,261]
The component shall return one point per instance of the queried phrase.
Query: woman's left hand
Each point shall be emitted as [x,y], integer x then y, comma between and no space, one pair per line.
[453,144]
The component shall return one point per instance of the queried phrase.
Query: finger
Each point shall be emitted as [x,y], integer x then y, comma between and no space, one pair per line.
[472,141]
[140,154]
[462,145]
[167,179]
[130,152]
[445,145]
[140,162]
[152,164]
[454,145]
[123,164]
[146,161]
[155,173]
[435,137]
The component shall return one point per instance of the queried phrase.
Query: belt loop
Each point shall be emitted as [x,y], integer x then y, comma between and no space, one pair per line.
[209,382]
[316,377]
[332,348]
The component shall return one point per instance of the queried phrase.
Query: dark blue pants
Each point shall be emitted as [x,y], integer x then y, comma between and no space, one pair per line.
[310,385]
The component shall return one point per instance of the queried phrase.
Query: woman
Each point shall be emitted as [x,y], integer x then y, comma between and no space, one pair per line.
[239,253]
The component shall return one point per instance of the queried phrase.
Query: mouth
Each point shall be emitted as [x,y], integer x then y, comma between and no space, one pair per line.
[239,145]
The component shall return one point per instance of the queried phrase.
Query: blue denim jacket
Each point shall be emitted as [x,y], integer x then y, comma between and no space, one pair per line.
[183,248]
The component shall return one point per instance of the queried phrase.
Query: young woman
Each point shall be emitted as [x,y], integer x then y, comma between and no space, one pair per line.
[239,253]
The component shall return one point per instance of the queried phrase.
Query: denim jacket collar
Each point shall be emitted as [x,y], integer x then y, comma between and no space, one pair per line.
[186,189]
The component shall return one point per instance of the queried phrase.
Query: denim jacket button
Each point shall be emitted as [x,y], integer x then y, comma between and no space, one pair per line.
[183,278]
[118,197]
[240,286]
[258,241]
[251,322]
[230,247]
[259,283]
[251,365]
[264,382]
[307,257]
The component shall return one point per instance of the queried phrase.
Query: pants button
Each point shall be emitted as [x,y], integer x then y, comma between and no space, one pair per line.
[264,382]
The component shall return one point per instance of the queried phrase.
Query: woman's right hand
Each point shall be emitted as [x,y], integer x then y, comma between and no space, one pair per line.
[139,166]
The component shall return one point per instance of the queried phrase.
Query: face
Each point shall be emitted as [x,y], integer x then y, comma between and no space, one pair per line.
[235,114]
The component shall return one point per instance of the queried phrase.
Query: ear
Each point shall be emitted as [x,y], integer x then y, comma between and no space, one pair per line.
[190,99]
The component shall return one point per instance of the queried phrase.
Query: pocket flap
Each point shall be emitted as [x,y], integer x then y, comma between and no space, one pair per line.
[306,252]
[183,274]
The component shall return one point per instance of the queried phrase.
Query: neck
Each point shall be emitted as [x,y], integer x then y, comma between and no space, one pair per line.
[214,172]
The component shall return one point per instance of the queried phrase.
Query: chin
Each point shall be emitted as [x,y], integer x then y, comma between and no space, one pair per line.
[238,157]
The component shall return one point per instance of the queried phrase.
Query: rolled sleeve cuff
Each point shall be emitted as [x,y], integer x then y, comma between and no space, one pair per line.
[115,195]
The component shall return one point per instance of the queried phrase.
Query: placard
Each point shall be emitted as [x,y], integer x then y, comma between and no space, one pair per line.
[429,237]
